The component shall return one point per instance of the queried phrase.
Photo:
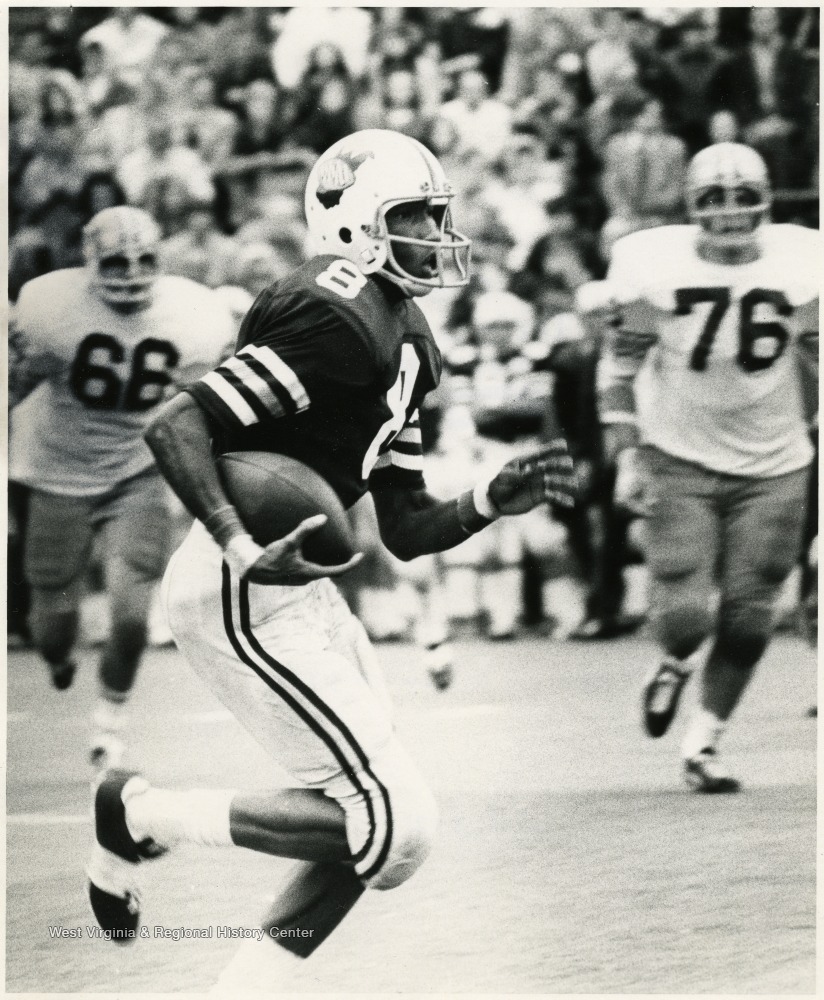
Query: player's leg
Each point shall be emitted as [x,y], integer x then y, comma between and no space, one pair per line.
[682,533]
[271,658]
[136,544]
[761,539]
[57,546]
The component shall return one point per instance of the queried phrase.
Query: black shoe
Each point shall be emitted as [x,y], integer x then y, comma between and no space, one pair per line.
[62,674]
[661,695]
[596,629]
[703,774]
[114,893]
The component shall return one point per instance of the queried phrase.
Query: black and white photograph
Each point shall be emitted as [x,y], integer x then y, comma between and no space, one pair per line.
[412,500]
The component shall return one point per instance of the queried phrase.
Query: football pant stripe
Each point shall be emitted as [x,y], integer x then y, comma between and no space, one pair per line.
[281,371]
[253,381]
[383,462]
[409,435]
[321,720]
[230,397]
[285,402]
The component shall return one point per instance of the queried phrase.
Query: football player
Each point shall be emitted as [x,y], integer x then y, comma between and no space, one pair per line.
[702,374]
[332,364]
[93,351]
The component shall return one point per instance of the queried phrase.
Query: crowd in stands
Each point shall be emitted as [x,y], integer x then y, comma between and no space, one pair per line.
[562,129]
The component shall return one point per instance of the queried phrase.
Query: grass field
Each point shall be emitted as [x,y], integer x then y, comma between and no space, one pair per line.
[571,858]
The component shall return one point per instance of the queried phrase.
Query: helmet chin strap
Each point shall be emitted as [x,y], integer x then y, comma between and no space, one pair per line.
[406,285]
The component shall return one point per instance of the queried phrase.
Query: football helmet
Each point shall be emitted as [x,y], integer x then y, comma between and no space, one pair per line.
[120,246]
[728,194]
[353,185]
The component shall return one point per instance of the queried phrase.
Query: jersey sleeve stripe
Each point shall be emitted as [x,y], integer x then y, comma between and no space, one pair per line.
[286,405]
[251,380]
[402,461]
[281,372]
[230,397]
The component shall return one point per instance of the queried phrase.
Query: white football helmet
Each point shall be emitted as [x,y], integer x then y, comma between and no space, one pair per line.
[728,194]
[353,185]
[120,246]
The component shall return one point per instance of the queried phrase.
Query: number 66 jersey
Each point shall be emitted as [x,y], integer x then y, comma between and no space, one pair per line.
[706,356]
[97,373]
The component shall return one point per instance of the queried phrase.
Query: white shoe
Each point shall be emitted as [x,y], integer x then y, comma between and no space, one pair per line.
[106,751]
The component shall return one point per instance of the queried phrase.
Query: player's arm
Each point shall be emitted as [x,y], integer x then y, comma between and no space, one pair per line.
[413,523]
[29,364]
[180,440]
[807,353]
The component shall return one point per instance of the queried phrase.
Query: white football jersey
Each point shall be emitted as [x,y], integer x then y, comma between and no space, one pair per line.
[102,373]
[714,348]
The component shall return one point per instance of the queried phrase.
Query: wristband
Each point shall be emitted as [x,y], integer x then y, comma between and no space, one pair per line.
[242,553]
[223,524]
[470,516]
[483,502]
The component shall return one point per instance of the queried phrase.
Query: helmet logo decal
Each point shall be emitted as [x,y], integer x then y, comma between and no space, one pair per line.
[337,175]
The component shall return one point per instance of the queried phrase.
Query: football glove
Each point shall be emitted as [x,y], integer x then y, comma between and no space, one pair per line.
[524,483]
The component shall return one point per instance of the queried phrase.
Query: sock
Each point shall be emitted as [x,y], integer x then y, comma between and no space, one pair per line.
[110,712]
[703,733]
[257,967]
[199,817]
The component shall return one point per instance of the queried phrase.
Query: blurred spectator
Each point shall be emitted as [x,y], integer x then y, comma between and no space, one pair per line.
[540,41]
[258,265]
[303,31]
[147,172]
[324,100]
[400,106]
[200,251]
[483,124]
[241,53]
[196,35]
[610,59]
[206,127]
[644,174]
[552,272]
[651,68]
[102,87]
[723,127]
[764,85]
[471,38]
[527,183]
[550,110]
[172,71]
[123,128]
[693,63]
[129,40]
[611,112]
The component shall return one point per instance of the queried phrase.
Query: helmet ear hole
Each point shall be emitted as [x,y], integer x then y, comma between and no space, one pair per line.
[345,235]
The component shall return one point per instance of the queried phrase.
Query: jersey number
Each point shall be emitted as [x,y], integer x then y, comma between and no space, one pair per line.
[342,277]
[95,382]
[398,400]
[760,343]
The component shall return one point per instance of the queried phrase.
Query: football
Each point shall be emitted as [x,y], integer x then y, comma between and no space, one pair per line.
[274,493]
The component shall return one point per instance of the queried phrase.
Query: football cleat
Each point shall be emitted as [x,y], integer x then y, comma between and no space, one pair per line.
[114,891]
[703,774]
[62,674]
[661,695]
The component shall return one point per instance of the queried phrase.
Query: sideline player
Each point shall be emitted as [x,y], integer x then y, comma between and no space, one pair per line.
[703,372]
[331,366]
[93,351]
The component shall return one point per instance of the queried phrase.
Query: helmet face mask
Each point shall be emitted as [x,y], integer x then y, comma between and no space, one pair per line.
[728,195]
[120,246]
[353,186]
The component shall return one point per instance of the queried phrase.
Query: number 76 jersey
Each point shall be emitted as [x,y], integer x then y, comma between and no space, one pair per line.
[710,352]
[100,373]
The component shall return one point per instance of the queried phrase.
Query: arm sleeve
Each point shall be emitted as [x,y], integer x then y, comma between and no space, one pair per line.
[279,367]
[401,463]
[30,361]
[626,345]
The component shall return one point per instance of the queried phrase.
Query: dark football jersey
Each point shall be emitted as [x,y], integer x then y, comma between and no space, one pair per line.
[330,368]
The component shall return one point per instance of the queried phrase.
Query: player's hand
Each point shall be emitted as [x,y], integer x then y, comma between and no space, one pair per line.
[524,483]
[282,563]
[630,492]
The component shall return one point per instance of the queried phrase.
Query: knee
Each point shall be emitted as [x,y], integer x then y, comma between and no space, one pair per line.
[53,620]
[743,632]
[682,629]
[413,834]
[392,830]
